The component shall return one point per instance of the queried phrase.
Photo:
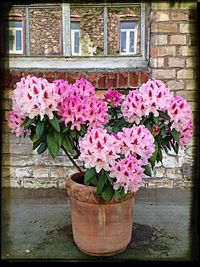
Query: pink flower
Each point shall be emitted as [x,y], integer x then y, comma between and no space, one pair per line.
[186,134]
[14,121]
[83,88]
[35,96]
[134,107]
[113,97]
[156,95]
[98,150]
[137,140]
[128,174]
[180,113]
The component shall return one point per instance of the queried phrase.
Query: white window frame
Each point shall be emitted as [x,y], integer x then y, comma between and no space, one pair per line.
[73,31]
[128,32]
[14,30]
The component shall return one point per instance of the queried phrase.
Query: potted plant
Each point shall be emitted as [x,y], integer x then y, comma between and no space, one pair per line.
[117,140]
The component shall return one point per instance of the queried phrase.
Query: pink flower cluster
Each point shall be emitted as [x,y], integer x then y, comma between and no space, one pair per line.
[98,150]
[101,150]
[113,97]
[128,173]
[78,105]
[181,117]
[151,97]
[14,121]
[137,140]
[35,96]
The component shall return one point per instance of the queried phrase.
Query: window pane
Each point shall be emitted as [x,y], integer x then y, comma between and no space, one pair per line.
[123,42]
[128,25]
[18,40]
[75,25]
[76,43]
[91,29]
[13,23]
[11,40]
[122,18]
[131,42]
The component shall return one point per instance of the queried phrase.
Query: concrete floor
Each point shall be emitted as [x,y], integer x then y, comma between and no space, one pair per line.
[36,224]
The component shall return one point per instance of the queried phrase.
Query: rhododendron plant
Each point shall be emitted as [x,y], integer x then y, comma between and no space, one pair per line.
[117,139]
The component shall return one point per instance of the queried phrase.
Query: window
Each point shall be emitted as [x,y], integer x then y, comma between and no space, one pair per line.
[104,30]
[128,38]
[75,39]
[15,37]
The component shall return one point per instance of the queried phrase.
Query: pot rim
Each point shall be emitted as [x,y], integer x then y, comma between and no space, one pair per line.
[86,193]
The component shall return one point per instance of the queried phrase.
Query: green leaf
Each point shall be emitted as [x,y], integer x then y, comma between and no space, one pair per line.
[108,192]
[58,138]
[155,120]
[175,135]
[52,145]
[55,123]
[67,144]
[89,175]
[164,115]
[94,181]
[175,147]
[117,194]
[34,138]
[40,127]
[73,133]
[148,125]
[42,148]
[37,143]
[163,132]
[101,183]
[154,156]
[147,170]
[27,122]
[65,129]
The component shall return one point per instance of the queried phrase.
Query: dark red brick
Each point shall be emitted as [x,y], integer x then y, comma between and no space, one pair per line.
[60,75]
[16,77]
[123,79]
[144,77]
[7,79]
[72,76]
[50,76]
[101,80]
[134,79]
[112,80]
[92,77]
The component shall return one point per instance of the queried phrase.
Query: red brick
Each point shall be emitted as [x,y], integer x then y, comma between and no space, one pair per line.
[92,77]
[112,80]
[123,79]
[16,77]
[72,76]
[38,74]
[50,76]
[60,75]
[102,80]
[134,76]
[154,51]
[144,77]
[7,79]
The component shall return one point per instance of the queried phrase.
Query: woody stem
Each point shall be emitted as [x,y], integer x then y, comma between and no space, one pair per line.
[73,162]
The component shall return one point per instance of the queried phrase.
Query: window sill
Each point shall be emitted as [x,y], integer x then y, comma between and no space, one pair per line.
[75,63]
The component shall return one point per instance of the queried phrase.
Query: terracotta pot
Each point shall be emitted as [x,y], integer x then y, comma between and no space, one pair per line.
[100,229]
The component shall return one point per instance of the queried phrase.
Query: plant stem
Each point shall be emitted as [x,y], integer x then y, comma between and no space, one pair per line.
[73,162]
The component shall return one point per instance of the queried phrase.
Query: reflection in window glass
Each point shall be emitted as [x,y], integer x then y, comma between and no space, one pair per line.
[91,30]
[75,38]
[128,35]
[14,37]
[123,30]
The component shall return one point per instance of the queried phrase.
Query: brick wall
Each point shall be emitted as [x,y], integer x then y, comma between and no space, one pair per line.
[172,59]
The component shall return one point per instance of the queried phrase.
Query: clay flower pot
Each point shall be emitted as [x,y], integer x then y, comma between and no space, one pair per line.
[100,229]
